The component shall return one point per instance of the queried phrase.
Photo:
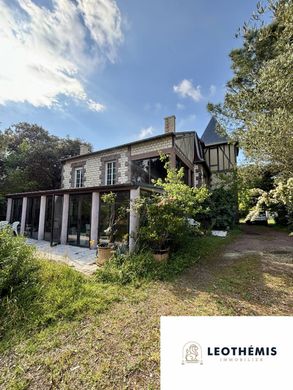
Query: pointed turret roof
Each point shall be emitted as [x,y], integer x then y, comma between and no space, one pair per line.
[211,136]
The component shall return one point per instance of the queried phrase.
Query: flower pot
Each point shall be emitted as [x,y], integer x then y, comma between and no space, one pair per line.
[161,255]
[104,254]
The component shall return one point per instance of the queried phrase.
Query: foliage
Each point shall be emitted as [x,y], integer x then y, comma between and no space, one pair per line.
[141,266]
[163,215]
[17,264]
[250,177]
[30,158]
[2,207]
[109,199]
[279,199]
[114,217]
[221,204]
[257,109]
[223,208]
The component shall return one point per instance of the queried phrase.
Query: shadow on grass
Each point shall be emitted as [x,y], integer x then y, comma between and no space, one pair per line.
[239,286]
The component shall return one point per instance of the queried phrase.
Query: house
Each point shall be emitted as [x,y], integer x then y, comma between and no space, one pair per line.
[74,213]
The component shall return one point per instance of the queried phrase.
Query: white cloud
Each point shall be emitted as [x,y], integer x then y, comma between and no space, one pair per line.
[49,53]
[94,106]
[213,90]
[186,89]
[146,132]
[180,106]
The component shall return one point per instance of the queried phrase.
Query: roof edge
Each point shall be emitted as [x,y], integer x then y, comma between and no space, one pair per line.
[164,135]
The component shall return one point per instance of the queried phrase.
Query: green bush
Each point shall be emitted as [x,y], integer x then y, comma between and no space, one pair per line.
[138,267]
[164,214]
[223,206]
[123,269]
[17,264]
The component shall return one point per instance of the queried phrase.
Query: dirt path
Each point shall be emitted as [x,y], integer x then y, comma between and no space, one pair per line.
[120,349]
[223,285]
[262,240]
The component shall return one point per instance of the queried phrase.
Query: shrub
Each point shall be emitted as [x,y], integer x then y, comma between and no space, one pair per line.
[139,267]
[221,204]
[164,215]
[279,199]
[123,269]
[17,264]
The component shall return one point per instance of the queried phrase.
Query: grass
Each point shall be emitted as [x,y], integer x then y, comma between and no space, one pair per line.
[142,266]
[59,296]
[75,332]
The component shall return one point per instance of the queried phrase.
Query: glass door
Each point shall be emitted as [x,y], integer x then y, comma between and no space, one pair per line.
[79,223]
[48,218]
[57,219]
[32,217]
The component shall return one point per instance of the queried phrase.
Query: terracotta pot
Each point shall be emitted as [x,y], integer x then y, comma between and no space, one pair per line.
[162,255]
[104,254]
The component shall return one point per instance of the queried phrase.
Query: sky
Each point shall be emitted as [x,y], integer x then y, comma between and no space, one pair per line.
[108,72]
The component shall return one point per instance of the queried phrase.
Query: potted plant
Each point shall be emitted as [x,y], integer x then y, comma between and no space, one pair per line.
[164,214]
[107,245]
[155,224]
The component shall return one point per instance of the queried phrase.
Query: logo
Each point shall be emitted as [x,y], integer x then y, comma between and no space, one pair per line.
[192,353]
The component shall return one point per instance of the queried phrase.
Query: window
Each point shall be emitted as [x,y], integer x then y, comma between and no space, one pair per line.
[78,177]
[110,172]
[16,210]
[180,164]
[122,227]
[147,170]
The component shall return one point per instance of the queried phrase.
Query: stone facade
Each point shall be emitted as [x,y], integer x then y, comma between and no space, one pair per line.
[94,168]
[197,175]
[94,165]
[151,146]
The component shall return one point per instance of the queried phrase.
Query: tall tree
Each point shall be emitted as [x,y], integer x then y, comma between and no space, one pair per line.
[30,158]
[258,105]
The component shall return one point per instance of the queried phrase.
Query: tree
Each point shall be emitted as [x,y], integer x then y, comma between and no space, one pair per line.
[164,215]
[30,158]
[281,196]
[249,179]
[258,105]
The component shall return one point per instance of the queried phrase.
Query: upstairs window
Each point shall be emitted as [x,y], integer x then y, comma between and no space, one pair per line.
[110,173]
[78,177]
[147,170]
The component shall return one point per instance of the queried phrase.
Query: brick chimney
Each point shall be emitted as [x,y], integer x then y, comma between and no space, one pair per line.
[170,124]
[83,149]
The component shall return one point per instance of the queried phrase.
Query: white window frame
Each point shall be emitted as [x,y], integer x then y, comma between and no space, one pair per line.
[112,176]
[78,181]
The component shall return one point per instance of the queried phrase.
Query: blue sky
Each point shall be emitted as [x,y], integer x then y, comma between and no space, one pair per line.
[109,72]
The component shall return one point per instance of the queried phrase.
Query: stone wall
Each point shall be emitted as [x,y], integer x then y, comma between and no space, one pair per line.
[151,146]
[94,166]
[197,175]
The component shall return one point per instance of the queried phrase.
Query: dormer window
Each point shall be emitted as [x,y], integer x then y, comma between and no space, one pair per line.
[110,173]
[78,177]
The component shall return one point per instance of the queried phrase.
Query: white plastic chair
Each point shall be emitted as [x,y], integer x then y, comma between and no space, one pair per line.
[3,224]
[15,226]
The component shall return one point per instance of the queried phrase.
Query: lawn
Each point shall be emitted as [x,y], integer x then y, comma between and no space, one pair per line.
[74,332]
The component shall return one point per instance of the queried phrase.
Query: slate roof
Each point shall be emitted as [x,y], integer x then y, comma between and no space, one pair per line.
[164,135]
[211,136]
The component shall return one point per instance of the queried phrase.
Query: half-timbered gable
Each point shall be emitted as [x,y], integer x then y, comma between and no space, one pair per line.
[219,153]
